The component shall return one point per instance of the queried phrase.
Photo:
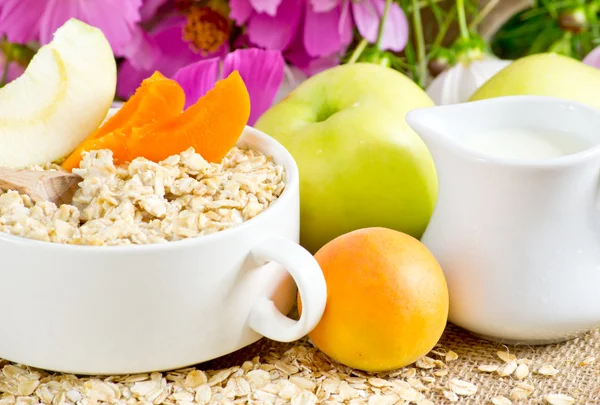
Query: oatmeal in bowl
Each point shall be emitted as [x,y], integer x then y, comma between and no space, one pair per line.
[180,243]
[145,202]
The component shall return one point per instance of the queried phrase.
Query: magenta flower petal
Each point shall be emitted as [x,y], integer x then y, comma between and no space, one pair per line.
[323,6]
[322,32]
[593,58]
[129,78]
[142,51]
[116,18]
[241,10]
[346,25]
[14,69]
[150,7]
[266,6]
[198,78]
[318,65]
[262,72]
[296,53]
[276,32]
[367,14]
[172,53]
[19,19]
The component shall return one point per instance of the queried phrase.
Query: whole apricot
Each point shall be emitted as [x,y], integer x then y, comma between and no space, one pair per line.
[387,300]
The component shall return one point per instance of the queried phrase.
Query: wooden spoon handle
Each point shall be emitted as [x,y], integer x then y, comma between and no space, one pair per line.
[55,186]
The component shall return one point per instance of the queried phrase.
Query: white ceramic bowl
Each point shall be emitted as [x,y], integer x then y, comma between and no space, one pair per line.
[131,309]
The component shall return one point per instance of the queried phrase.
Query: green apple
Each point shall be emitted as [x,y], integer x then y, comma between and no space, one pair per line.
[545,74]
[360,164]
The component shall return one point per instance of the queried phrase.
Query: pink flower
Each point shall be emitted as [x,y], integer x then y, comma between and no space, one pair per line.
[271,24]
[328,26]
[262,71]
[14,69]
[30,20]
[313,33]
[593,58]
[162,49]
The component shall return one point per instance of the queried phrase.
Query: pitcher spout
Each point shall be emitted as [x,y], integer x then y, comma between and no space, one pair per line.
[529,130]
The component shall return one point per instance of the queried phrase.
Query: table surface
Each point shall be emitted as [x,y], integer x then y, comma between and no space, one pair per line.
[297,373]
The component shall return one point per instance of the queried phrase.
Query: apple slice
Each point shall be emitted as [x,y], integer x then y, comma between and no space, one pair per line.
[63,95]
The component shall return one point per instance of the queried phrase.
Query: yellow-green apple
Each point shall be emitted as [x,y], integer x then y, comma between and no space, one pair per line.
[360,163]
[545,74]
[63,95]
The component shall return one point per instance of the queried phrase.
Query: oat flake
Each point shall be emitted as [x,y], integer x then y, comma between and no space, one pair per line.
[521,372]
[559,399]
[548,370]
[500,400]
[425,362]
[451,356]
[506,357]
[450,396]
[461,387]
[507,369]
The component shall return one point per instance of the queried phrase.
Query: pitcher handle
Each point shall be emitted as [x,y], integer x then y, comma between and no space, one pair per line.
[264,317]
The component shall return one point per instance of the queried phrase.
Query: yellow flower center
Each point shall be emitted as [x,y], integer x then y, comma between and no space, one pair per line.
[206,29]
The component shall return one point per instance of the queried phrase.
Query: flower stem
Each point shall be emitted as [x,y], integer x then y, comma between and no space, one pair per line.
[420,43]
[358,51]
[384,15]
[483,13]
[443,30]
[462,19]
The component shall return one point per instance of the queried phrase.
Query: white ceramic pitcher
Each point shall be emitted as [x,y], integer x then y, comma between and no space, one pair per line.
[518,240]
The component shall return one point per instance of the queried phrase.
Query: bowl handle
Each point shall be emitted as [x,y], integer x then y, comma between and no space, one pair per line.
[265,318]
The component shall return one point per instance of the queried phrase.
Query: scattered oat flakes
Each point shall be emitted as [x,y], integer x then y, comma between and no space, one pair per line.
[507,369]
[521,391]
[439,364]
[450,396]
[587,361]
[521,372]
[488,368]
[379,382]
[500,400]
[379,399]
[547,370]
[417,384]
[506,357]
[518,394]
[451,356]
[461,387]
[559,399]
[411,372]
[303,383]
[425,362]
[195,379]
[440,373]
[528,362]
[411,395]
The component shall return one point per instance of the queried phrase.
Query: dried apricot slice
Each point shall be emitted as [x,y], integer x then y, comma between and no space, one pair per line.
[156,99]
[211,126]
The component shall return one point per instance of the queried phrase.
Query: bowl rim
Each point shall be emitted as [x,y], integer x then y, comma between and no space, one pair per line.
[279,154]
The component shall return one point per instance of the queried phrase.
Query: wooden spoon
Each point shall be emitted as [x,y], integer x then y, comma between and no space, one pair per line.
[55,186]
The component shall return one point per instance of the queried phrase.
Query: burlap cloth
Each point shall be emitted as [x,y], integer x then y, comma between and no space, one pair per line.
[582,382]
[578,376]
